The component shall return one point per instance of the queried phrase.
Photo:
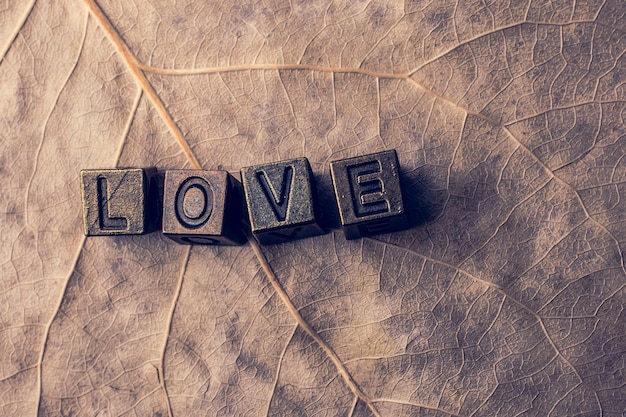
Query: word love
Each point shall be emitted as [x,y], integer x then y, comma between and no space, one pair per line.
[206,207]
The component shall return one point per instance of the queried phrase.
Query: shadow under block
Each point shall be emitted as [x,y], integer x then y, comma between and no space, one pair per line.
[368,193]
[202,208]
[280,198]
[117,201]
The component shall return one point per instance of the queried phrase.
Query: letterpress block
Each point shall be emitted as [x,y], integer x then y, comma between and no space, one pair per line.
[117,201]
[368,193]
[280,198]
[202,207]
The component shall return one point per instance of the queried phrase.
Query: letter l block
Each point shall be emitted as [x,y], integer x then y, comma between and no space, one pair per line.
[367,189]
[118,201]
[280,198]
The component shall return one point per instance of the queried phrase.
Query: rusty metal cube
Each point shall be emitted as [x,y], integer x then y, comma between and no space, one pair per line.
[281,202]
[202,208]
[118,201]
[368,193]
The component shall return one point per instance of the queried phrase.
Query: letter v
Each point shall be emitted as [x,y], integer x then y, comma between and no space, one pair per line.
[278,201]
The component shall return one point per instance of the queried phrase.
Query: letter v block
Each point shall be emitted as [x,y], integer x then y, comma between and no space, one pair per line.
[118,201]
[280,198]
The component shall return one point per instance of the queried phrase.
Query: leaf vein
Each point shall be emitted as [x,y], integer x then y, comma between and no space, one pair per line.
[497,288]
[18,28]
[414,404]
[170,317]
[307,328]
[279,367]
[140,78]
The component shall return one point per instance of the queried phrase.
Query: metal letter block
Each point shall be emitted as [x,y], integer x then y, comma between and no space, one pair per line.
[368,193]
[117,201]
[280,198]
[202,207]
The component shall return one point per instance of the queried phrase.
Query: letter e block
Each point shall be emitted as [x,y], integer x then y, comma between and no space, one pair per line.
[202,208]
[368,193]
[115,201]
[280,198]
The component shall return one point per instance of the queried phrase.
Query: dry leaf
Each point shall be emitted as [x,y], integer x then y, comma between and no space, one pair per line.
[506,297]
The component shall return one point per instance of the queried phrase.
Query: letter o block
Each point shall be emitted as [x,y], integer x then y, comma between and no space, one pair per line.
[116,201]
[280,198]
[368,193]
[202,208]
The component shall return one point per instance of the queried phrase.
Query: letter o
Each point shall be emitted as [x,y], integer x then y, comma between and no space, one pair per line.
[194,222]
[200,240]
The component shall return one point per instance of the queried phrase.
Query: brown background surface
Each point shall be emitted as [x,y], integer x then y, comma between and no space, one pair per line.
[505,298]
